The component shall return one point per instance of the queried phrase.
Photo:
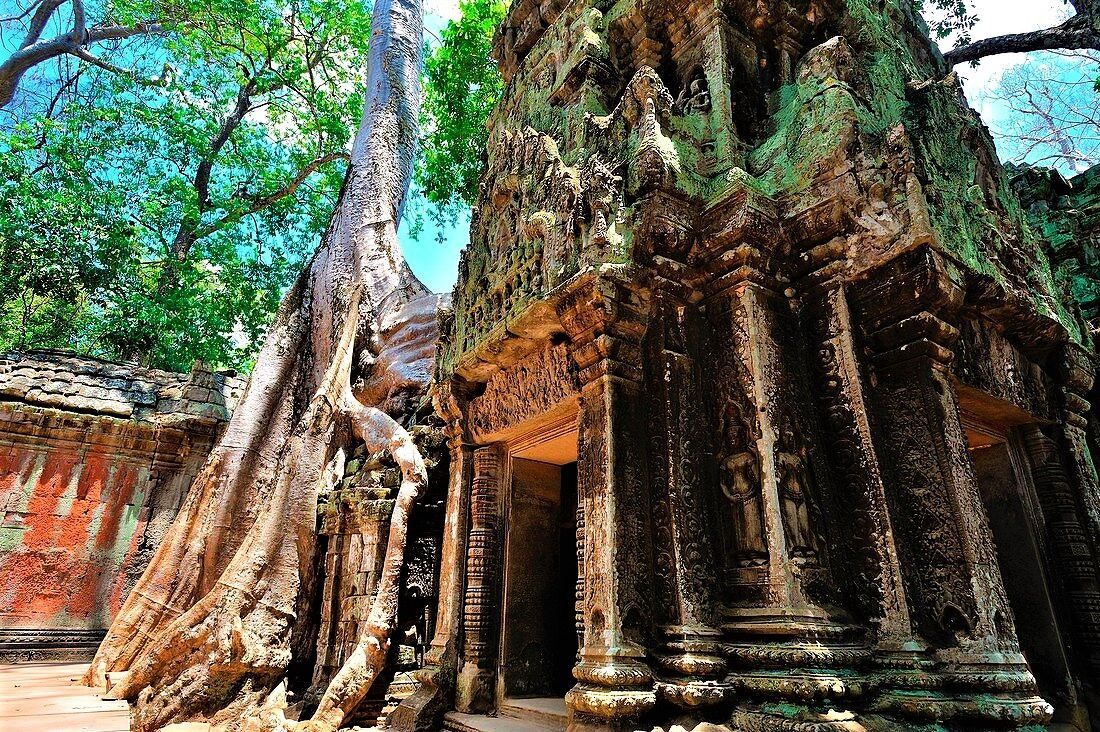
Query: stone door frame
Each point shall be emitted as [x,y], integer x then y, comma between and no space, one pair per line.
[546,437]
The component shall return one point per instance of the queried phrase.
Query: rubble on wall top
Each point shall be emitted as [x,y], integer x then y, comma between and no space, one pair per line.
[69,382]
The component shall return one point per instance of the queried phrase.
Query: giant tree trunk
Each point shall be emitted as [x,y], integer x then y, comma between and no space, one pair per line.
[208,630]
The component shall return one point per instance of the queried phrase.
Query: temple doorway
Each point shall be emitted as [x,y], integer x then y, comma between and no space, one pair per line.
[539,641]
[1015,520]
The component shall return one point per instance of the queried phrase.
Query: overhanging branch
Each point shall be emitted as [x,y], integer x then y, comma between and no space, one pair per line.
[1074,34]
[75,42]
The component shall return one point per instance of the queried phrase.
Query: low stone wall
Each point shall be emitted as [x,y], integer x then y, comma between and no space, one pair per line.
[95,459]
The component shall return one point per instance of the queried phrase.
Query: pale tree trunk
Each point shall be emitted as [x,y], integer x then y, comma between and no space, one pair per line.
[208,630]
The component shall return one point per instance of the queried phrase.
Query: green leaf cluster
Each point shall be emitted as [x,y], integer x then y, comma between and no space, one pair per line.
[462,86]
[158,211]
[950,18]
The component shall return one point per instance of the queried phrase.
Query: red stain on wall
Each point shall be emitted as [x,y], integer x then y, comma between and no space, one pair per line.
[79,528]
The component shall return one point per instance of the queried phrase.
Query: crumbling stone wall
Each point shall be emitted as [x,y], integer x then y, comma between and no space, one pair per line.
[1067,213]
[95,459]
[353,524]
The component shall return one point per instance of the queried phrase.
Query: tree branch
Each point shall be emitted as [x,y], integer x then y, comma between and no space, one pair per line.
[74,42]
[1075,34]
[188,232]
[39,20]
[262,202]
[94,60]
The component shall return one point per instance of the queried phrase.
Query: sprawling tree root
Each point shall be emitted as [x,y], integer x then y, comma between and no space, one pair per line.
[224,497]
[355,677]
[208,632]
[238,635]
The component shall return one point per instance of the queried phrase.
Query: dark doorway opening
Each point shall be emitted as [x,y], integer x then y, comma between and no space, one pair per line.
[540,640]
[1014,520]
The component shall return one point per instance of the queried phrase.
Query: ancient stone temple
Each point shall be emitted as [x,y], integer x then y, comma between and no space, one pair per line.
[767,405]
[96,458]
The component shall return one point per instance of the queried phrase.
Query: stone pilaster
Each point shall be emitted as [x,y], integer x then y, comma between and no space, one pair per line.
[1064,474]
[475,690]
[956,595]
[423,711]
[691,661]
[782,643]
[1078,377]
[877,585]
[767,558]
[605,321]
[1067,537]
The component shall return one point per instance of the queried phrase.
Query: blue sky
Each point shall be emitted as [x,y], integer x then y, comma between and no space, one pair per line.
[437,263]
[433,254]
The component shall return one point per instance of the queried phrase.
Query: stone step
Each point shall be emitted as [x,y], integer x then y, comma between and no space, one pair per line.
[458,722]
[549,712]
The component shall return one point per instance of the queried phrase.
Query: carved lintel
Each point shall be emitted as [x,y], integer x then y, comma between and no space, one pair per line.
[537,385]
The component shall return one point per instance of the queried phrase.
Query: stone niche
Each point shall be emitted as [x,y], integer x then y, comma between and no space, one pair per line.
[747,276]
[95,459]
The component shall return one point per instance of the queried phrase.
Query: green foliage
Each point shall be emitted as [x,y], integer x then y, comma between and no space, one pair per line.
[462,86]
[158,212]
[950,18]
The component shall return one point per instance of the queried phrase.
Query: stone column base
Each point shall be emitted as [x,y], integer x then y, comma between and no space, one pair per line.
[998,691]
[613,692]
[474,689]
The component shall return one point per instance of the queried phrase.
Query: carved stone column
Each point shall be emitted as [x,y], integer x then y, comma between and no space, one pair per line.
[422,712]
[877,580]
[1064,474]
[605,318]
[1079,375]
[1067,537]
[956,595]
[481,608]
[782,644]
[692,660]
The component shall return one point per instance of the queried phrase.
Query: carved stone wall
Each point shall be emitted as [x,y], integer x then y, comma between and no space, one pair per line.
[95,460]
[766,252]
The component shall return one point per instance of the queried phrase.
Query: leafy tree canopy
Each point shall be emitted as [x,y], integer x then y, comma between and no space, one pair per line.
[462,85]
[156,200]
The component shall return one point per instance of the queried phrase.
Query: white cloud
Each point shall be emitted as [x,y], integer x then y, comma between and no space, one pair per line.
[445,9]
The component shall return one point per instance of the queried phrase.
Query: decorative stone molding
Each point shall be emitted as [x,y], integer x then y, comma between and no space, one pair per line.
[481,607]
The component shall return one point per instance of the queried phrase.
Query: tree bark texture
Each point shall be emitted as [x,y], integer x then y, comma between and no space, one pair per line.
[208,630]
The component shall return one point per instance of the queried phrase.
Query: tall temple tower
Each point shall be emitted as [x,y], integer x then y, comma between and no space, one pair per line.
[766,407]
